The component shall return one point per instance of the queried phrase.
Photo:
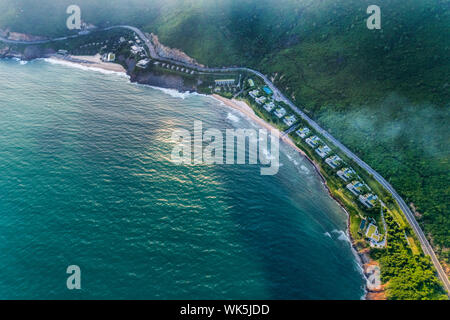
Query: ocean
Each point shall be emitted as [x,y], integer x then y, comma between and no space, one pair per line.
[86,179]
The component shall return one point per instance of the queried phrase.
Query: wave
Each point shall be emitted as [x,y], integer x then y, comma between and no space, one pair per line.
[175,93]
[327,234]
[295,162]
[82,67]
[232,117]
[342,235]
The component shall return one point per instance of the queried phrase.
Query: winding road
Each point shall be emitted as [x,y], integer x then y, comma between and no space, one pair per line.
[278,95]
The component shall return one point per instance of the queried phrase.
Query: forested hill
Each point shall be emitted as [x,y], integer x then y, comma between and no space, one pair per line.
[384,93]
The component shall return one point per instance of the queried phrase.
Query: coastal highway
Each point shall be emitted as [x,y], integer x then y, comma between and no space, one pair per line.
[278,95]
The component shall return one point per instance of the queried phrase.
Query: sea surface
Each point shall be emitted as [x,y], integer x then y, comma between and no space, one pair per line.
[86,179]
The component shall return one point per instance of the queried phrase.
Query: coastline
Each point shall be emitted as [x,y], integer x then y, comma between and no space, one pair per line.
[362,258]
[90,62]
[94,62]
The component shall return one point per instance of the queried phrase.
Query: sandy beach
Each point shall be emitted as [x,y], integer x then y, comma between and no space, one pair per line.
[248,111]
[91,62]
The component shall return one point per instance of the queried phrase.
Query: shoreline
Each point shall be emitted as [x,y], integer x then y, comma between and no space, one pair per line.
[94,62]
[244,108]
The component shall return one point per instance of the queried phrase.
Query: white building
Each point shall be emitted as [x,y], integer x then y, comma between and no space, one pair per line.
[280,112]
[269,106]
[346,174]
[323,151]
[333,161]
[260,100]
[369,200]
[355,187]
[143,63]
[109,57]
[302,133]
[313,141]
[136,49]
[290,120]
[254,94]
[224,82]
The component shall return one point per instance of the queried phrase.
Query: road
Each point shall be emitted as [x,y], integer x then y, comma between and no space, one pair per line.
[278,95]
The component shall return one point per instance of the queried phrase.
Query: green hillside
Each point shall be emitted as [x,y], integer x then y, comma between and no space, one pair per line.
[384,93]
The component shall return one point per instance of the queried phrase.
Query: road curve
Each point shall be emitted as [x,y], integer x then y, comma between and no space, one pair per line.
[278,95]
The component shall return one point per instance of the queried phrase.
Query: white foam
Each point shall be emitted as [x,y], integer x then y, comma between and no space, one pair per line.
[82,67]
[304,169]
[342,235]
[232,117]
[327,234]
[23,62]
[175,93]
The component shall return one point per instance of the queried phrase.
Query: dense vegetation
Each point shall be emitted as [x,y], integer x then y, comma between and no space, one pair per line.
[408,276]
[384,93]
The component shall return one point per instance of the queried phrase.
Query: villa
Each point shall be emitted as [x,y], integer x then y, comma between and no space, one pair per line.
[333,161]
[136,49]
[251,83]
[355,187]
[280,112]
[269,106]
[109,57]
[143,63]
[290,120]
[260,100]
[372,232]
[323,151]
[254,94]
[369,200]
[224,82]
[313,141]
[346,173]
[302,133]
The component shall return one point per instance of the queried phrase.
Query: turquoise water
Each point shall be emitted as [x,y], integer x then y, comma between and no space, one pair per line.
[86,179]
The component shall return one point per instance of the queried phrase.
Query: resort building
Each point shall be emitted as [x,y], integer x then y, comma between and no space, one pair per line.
[280,112]
[323,151]
[251,83]
[254,94]
[372,232]
[369,200]
[333,161]
[355,187]
[143,63]
[346,174]
[260,100]
[136,49]
[302,133]
[224,82]
[313,141]
[269,106]
[109,57]
[289,120]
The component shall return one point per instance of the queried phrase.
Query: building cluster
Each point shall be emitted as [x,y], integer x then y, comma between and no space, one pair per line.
[267,102]
[369,228]
[353,182]
[346,173]
[174,67]
[108,57]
